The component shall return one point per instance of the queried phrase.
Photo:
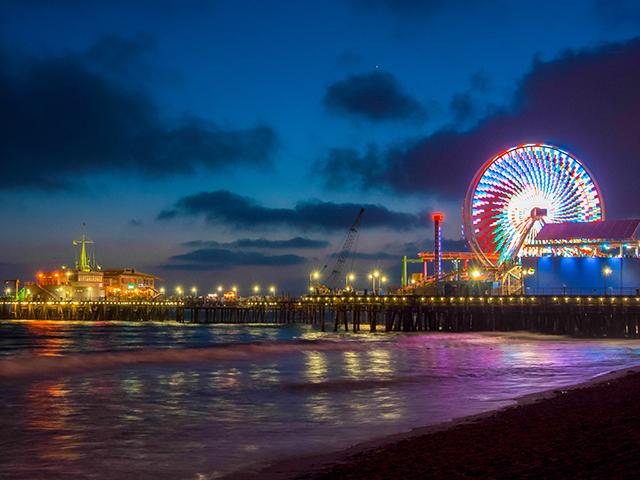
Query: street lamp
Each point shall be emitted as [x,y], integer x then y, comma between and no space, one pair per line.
[162,290]
[256,289]
[383,280]
[348,281]
[373,277]
[220,288]
[272,290]
[178,290]
[315,275]
[194,290]
[606,271]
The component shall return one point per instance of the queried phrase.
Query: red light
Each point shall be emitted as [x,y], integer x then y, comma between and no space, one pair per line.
[437,217]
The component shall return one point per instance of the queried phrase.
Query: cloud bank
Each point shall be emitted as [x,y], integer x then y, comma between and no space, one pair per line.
[241,212]
[375,96]
[63,117]
[586,101]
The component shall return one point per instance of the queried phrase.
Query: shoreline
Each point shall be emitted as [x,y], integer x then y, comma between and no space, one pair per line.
[315,465]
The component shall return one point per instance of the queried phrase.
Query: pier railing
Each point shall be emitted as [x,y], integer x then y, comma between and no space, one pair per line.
[585,316]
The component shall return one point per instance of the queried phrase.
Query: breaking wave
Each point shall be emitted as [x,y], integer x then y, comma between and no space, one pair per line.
[27,365]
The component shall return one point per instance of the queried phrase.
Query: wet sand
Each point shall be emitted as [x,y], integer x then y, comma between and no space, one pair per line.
[590,430]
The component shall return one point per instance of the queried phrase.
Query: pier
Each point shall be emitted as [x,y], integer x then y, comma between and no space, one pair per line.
[578,316]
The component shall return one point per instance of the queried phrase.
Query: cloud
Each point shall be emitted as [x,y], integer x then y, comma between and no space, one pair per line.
[375,96]
[61,119]
[262,243]
[135,222]
[223,259]
[229,208]
[370,256]
[586,101]
[463,108]
[119,54]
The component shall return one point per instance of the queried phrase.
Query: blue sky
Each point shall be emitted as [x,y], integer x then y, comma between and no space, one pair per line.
[279,89]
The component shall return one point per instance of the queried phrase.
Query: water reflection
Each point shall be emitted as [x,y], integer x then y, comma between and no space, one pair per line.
[209,417]
[316,366]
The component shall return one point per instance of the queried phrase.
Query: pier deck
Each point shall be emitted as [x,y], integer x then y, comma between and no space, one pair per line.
[580,316]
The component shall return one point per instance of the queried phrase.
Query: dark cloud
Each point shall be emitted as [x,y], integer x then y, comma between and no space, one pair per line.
[344,166]
[119,54]
[61,119]
[480,82]
[586,101]
[243,212]
[135,222]
[223,259]
[375,96]
[370,256]
[463,108]
[262,243]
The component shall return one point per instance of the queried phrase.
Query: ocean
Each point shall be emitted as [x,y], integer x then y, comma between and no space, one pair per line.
[166,400]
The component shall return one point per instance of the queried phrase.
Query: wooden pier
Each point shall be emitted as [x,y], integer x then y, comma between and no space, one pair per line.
[580,316]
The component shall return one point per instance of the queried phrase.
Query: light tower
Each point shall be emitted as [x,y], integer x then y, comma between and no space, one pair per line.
[437,218]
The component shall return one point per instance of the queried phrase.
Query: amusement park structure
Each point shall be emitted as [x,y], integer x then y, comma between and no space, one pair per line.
[514,200]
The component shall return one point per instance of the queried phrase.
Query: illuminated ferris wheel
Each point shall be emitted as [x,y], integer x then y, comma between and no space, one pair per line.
[519,190]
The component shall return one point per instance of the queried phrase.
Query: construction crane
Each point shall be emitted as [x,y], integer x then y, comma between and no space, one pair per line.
[335,277]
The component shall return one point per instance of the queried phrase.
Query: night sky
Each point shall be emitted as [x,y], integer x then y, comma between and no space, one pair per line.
[233,142]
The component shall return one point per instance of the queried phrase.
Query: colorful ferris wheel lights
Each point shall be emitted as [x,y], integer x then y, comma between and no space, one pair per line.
[519,190]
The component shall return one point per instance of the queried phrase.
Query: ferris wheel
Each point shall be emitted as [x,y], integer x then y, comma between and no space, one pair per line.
[519,190]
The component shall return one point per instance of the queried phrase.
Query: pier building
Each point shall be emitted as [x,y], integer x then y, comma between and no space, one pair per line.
[129,283]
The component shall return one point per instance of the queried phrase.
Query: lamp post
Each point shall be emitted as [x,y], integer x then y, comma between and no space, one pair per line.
[256,289]
[606,271]
[348,281]
[220,288]
[272,290]
[315,275]
[194,291]
[383,280]
[373,277]
[178,291]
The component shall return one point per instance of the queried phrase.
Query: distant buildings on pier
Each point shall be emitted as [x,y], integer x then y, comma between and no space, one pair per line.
[88,281]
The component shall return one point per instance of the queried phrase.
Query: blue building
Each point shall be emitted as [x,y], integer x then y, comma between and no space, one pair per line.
[592,258]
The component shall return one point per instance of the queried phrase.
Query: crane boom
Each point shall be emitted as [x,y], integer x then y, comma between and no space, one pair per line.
[335,276]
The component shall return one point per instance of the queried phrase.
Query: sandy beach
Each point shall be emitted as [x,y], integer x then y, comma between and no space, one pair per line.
[586,431]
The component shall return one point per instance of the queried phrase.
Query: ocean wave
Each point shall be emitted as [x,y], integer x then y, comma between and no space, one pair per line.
[347,384]
[28,365]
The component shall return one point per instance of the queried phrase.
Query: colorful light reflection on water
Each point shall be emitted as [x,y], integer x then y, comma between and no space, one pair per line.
[215,414]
